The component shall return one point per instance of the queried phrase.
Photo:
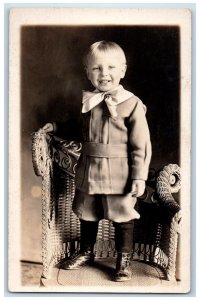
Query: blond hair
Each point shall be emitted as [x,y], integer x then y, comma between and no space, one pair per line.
[103,47]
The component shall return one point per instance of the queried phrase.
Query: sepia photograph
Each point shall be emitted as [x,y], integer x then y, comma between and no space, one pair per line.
[99,150]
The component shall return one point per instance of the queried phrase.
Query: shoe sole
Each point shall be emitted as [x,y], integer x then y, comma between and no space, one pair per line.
[123,280]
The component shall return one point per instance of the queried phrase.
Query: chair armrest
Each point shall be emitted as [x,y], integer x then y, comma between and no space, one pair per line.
[41,157]
[168,181]
[47,149]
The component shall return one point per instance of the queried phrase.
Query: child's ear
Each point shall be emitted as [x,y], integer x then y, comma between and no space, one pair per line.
[124,68]
[87,73]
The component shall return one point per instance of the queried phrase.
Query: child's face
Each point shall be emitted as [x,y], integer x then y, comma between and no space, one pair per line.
[105,71]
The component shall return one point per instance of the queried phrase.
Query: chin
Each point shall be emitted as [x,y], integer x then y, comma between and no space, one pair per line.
[105,88]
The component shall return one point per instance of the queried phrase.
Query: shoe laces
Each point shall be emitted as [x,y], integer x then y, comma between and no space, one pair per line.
[125,260]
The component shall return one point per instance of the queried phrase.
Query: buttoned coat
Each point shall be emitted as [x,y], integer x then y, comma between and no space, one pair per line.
[113,175]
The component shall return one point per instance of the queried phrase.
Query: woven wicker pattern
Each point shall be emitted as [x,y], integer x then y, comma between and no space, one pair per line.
[155,233]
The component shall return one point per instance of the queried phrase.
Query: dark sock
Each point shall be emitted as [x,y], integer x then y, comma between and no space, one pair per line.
[124,236]
[89,231]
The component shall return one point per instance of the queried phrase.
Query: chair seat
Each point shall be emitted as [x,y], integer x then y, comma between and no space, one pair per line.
[99,278]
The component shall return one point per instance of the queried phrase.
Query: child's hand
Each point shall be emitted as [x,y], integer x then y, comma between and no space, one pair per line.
[138,187]
[48,127]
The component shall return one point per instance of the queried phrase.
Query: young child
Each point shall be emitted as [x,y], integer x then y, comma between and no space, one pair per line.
[115,157]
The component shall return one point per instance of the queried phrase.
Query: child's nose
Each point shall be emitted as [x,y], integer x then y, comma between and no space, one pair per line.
[104,71]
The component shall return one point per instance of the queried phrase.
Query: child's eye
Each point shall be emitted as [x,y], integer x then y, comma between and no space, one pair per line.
[95,68]
[111,67]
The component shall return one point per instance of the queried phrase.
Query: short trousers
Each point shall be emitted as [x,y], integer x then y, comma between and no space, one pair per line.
[116,208]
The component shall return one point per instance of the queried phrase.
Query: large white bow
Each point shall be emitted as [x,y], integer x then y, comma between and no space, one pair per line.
[111,98]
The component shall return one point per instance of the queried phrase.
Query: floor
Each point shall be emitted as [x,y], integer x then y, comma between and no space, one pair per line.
[31,273]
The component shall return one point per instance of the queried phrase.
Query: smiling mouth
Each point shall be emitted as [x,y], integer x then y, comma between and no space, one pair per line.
[104,81]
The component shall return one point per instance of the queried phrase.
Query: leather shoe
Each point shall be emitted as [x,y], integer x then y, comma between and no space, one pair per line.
[78,261]
[123,269]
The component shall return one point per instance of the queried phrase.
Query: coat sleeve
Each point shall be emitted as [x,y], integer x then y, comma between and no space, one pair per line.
[139,141]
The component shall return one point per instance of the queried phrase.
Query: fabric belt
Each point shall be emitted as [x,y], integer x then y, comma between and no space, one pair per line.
[104,150]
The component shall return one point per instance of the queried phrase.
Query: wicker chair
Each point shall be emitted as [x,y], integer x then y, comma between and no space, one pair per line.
[155,233]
